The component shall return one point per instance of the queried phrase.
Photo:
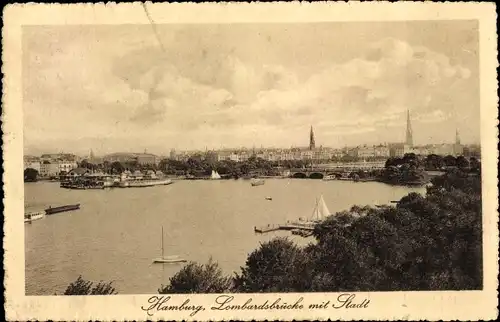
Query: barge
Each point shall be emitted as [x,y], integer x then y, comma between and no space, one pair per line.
[54,210]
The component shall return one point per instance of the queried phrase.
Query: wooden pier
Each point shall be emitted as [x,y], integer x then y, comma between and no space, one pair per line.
[266,229]
[286,227]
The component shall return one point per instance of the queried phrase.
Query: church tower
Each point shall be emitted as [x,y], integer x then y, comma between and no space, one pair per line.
[409,131]
[312,143]
[458,149]
[457,137]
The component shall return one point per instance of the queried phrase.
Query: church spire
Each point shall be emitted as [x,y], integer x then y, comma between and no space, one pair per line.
[312,143]
[409,131]
[457,137]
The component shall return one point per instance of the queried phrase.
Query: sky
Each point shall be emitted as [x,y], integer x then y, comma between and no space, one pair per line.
[124,88]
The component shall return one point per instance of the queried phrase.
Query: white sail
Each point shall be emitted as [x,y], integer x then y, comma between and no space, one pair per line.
[215,175]
[321,210]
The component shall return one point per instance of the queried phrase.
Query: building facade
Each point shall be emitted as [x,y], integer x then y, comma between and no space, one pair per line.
[147,159]
[48,169]
[66,166]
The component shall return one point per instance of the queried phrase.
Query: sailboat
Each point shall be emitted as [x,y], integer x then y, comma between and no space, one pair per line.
[320,212]
[167,259]
[215,175]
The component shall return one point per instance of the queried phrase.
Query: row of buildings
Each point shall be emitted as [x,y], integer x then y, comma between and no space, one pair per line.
[49,165]
[125,157]
[364,152]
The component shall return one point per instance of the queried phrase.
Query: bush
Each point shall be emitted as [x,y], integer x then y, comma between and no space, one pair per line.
[277,266]
[197,278]
[30,175]
[84,287]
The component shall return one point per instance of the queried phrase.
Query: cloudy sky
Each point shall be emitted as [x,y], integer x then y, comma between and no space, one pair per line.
[114,88]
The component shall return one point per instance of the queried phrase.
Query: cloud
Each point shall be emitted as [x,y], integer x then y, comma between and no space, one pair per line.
[211,89]
[389,78]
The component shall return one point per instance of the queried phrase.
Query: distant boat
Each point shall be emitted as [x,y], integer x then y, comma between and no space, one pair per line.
[131,183]
[215,175]
[167,259]
[35,215]
[328,178]
[269,198]
[54,210]
[257,182]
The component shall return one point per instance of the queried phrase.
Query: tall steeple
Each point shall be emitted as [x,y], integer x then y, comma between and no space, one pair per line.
[409,131]
[312,143]
[457,137]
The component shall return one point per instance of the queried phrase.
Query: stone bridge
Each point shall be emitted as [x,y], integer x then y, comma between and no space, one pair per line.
[337,170]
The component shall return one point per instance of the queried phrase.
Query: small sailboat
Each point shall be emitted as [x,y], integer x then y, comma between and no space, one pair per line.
[215,175]
[167,259]
[320,210]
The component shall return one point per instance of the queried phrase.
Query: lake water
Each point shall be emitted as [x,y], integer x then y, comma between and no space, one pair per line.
[117,232]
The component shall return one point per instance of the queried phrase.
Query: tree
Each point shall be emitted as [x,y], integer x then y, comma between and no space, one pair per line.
[450,161]
[30,175]
[409,157]
[475,165]
[117,167]
[196,278]
[462,162]
[84,287]
[393,162]
[434,162]
[277,266]
[106,167]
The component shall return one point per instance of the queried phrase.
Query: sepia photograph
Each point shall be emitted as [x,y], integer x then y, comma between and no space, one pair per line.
[175,158]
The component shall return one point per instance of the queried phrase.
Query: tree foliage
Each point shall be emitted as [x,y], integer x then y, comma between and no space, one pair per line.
[30,175]
[277,266]
[198,278]
[406,170]
[84,287]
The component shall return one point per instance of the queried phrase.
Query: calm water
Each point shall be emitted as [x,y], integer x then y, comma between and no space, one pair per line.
[117,232]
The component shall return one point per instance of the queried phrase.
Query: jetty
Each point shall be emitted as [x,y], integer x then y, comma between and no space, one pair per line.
[266,229]
[301,227]
[286,227]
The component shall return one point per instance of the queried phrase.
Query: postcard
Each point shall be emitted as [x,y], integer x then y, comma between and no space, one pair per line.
[250,161]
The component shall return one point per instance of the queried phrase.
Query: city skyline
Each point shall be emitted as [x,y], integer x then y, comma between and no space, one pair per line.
[312,145]
[114,89]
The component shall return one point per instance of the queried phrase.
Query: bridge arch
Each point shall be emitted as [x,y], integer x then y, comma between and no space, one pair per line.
[299,175]
[316,175]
